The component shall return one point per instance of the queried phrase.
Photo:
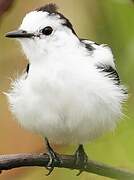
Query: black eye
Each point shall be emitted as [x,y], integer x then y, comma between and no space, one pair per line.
[47,30]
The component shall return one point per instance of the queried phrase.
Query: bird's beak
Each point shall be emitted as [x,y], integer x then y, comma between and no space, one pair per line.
[19,34]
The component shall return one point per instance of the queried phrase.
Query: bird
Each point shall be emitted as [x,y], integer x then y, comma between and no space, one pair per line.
[70,92]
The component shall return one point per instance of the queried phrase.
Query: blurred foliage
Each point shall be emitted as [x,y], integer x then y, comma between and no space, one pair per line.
[5,5]
[103,21]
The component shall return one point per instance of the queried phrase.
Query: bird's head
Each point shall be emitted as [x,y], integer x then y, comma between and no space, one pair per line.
[44,30]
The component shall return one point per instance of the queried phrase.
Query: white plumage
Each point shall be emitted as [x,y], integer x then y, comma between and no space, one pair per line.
[64,96]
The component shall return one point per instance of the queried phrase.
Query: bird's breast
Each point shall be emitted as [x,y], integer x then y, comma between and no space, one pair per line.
[67,104]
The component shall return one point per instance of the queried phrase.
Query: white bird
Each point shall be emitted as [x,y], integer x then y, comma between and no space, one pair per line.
[70,92]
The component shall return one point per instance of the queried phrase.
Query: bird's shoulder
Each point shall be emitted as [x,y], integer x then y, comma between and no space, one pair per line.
[100,52]
[103,57]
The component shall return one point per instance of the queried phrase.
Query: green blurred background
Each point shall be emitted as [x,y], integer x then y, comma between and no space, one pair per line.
[103,21]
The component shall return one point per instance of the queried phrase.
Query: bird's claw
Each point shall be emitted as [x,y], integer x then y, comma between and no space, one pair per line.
[53,157]
[81,159]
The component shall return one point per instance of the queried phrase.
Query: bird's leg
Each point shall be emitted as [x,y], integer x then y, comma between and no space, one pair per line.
[53,157]
[81,158]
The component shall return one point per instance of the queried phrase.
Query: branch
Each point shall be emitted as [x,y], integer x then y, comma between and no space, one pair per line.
[20,160]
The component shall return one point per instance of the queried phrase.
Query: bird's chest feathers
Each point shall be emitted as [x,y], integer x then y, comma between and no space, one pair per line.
[52,85]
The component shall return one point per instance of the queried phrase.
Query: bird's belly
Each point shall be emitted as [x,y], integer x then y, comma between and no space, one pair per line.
[64,111]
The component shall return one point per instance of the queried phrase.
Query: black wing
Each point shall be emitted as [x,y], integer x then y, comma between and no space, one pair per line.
[27,68]
[110,72]
[87,44]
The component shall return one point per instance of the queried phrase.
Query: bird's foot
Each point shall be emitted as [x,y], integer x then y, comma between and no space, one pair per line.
[53,158]
[81,158]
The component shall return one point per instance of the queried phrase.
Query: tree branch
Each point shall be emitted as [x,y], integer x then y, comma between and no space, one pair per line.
[21,160]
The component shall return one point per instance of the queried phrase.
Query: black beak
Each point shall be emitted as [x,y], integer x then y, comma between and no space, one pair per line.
[19,34]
